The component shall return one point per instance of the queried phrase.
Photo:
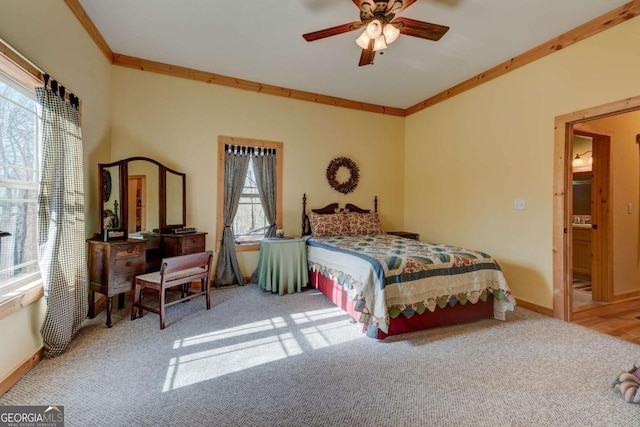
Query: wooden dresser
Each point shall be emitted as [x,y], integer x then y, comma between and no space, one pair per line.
[112,268]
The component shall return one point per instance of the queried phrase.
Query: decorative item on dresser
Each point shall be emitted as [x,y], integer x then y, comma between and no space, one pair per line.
[151,226]
[392,284]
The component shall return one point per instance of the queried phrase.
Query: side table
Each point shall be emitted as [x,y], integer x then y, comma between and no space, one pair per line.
[407,234]
[282,265]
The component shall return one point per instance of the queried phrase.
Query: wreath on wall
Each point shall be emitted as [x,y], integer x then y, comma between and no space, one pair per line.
[354,174]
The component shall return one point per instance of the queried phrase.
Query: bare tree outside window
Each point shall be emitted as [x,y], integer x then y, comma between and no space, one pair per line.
[250,222]
[19,176]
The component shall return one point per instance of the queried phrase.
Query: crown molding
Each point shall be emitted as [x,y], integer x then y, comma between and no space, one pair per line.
[603,22]
[206,77]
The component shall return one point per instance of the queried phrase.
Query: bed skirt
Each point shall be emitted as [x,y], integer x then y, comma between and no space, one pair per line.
[402,324]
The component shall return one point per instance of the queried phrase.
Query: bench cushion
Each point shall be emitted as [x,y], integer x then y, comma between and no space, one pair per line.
[155,276]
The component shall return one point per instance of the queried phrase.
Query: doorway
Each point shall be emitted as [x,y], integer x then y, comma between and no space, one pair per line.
[602,242]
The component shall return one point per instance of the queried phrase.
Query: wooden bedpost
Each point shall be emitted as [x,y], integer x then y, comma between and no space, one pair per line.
[304,212]
[375,204]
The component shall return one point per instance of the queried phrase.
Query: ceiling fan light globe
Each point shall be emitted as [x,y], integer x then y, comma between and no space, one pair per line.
[363,40]
[391,33]
[379,44]
[374,29]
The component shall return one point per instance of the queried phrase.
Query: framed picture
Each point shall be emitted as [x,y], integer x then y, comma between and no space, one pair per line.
[110,234]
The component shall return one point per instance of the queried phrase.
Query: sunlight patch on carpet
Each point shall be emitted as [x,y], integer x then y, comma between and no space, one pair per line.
[254,344]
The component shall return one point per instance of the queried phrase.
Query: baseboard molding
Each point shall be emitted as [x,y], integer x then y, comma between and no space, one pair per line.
[625,297]
[14,376]
[534,307]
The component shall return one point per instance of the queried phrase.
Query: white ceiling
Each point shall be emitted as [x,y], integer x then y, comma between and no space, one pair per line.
[261,41]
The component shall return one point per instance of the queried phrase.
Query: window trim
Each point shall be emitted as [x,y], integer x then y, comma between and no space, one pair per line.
[257,143]
[29,289]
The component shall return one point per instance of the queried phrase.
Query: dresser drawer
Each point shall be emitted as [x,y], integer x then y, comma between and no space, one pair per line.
[124,265]
[175,245]
[131,250]
[193,244]
[123,281]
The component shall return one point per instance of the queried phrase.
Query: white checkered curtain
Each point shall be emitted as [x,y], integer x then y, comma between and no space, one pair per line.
[61,224]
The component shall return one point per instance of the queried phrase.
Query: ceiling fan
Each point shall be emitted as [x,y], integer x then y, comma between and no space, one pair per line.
[381,27]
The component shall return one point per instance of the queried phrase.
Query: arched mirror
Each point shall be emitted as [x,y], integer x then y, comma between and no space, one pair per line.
[141,195]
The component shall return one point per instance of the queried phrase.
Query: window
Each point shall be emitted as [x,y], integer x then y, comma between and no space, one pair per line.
[19,177]
[250,223]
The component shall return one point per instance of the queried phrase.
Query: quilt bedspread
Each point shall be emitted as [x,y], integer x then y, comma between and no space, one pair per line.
[390,275]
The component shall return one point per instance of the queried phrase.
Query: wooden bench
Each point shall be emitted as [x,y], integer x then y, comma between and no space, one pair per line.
[174,271]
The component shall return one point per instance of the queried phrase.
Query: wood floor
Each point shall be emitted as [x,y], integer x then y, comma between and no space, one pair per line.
[621,319]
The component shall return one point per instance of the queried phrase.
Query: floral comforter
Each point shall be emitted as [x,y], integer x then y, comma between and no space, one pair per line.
[390,275]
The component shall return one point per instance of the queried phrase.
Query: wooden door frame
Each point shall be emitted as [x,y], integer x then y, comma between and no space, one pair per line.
[562,193]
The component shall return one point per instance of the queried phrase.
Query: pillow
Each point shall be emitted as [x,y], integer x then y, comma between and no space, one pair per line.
[364,223]
[328,224]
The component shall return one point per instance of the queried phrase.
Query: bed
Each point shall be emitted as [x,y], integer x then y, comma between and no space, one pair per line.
[394,285]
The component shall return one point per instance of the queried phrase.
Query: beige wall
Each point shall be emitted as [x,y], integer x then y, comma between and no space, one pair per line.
[177,122]
[468,158]
[49,35]
[625,176]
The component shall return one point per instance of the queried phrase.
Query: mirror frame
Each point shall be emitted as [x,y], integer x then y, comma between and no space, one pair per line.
[163,199]
[121,174]
[123,166]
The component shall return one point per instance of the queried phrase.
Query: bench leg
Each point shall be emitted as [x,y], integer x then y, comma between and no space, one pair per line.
[206,286]
[162,301]
[136,301]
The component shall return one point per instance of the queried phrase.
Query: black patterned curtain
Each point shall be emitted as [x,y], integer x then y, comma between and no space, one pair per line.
[264,166]
[236,163]
[61,222]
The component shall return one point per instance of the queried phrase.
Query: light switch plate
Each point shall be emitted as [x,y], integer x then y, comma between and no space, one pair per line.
[519,204]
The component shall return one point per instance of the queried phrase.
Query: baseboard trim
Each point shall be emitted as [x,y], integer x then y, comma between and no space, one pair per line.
[14,376]
[625,297]
[534,307]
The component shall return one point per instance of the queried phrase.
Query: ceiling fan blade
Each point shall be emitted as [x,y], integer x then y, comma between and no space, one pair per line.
[405,4]
[365,5]
[424,30]
[366,57]
[333,31]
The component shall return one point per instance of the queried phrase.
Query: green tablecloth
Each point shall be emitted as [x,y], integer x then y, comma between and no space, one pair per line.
[282,265]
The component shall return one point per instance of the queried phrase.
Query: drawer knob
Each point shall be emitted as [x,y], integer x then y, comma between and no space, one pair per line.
[128,264]
[129,250]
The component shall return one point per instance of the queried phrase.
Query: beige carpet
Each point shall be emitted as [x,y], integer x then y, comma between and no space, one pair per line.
[257,359]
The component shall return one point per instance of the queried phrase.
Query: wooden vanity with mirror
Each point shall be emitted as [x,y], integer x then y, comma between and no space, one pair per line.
[142,211]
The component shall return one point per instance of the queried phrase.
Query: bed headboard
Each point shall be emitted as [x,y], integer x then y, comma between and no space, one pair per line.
[330,209]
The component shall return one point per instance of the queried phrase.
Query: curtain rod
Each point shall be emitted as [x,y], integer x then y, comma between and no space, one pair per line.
[17,53]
